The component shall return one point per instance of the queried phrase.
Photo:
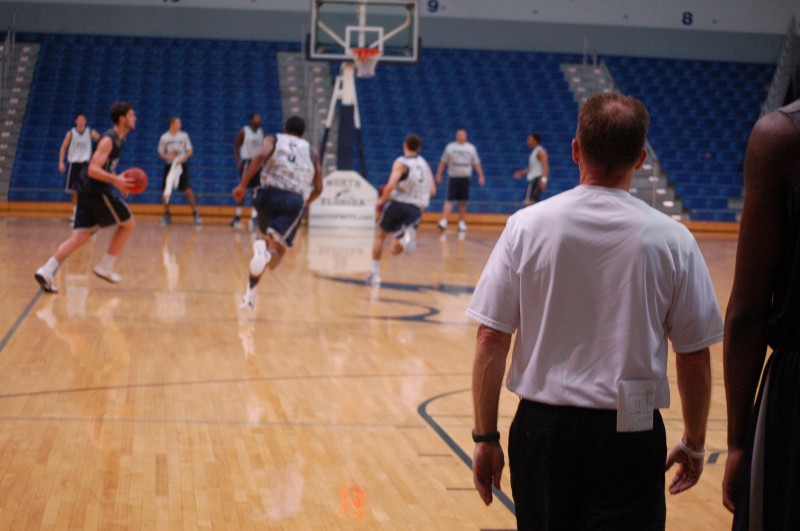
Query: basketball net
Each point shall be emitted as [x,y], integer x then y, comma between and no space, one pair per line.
[365,59]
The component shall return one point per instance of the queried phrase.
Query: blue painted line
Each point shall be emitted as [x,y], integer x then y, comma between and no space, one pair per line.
[19,320]
[461,454]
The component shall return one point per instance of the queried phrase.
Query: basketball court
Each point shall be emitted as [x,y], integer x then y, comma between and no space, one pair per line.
[157,404]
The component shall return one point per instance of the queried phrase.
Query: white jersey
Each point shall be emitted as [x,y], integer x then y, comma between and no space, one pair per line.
[291,166]
[80,147]
[460,158]
[177,144]
[251,144]
[415,187]
[594,281]
[535,168]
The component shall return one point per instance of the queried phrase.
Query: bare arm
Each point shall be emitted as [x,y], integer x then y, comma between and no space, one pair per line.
[545,169]
[481,176]
[237,143]
[317,191]
[267,147]
[95,135]
[398,168]
[488,369]
[63,151]
[694,386]
[770,161]
[440,171]
[187,155]
[98,160]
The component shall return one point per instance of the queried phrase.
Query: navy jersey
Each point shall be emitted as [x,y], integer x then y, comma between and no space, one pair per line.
[86,183]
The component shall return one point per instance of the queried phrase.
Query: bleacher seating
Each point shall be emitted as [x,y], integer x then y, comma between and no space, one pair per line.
[213,85]
[701,113]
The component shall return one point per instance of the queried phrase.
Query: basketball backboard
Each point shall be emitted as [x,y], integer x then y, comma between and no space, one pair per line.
[390,26]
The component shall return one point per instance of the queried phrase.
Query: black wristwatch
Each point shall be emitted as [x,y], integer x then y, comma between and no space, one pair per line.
[493,436]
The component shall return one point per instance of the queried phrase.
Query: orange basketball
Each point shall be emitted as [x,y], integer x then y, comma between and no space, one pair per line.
[137,180]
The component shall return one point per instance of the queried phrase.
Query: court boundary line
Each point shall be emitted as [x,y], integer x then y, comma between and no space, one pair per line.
[18,322]
[448,440]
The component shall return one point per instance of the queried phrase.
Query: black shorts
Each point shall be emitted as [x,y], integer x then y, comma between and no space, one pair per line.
[458,188]
[183,181]
[534,190]
[100,209]
[73,174]
[255,181]
[396,216]
[279,213]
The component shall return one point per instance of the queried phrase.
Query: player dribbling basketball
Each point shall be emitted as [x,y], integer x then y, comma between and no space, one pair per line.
[101,202]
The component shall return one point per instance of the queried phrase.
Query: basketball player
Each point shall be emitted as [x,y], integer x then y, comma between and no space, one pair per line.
[100,202]
[77,146]
[291,179]
[175,145]
[404,197]
[247,143]
[762,473]
[459,157]
[537,170]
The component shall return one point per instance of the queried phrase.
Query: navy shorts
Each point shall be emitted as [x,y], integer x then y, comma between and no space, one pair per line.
[279,213]
[396,216]
[458,188]
[183,181]
[73,174]
[534,190]
[100,209]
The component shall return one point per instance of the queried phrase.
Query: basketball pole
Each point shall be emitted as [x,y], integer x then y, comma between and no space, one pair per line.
[346,98]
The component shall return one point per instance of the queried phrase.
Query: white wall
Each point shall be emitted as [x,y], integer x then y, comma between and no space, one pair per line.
[735,30]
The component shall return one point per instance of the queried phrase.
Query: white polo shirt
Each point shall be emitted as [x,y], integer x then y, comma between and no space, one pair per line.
[594,282]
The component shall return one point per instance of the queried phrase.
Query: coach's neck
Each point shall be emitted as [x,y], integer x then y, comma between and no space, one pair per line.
[596,175]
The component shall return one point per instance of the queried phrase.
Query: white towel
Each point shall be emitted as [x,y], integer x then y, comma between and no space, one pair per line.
[173,178]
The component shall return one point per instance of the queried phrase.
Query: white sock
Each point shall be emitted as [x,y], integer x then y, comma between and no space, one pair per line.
[51,266]
[108,261]
[238,211]
[376,266]
[253,213]
[74,210]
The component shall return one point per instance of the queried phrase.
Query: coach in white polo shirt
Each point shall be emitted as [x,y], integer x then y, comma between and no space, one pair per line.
[594,282]
[459,157]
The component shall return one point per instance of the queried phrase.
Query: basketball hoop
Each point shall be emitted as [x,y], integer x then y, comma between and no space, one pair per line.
[365,59]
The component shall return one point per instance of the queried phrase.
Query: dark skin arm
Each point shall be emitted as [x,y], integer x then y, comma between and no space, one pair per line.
[237,143]
[317,190]
[771,170]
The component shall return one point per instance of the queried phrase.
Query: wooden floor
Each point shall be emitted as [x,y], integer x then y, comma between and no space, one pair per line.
[158,404]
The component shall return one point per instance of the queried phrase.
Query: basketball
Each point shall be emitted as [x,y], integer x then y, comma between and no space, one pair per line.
[137,180]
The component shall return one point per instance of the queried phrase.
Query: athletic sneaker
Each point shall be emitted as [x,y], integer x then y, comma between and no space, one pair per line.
[409,240]
[197,219]
[107,274]
[236,222]
[462,227]
[442,225]
[167,219]
[249,300]
[261,257]
[374,279]
[45,280]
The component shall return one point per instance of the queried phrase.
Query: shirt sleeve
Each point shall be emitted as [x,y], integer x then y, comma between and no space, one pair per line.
[694,321]
[444,155]
[475,158]
[495,302]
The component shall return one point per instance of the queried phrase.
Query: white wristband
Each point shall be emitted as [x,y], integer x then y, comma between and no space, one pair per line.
[691,453]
